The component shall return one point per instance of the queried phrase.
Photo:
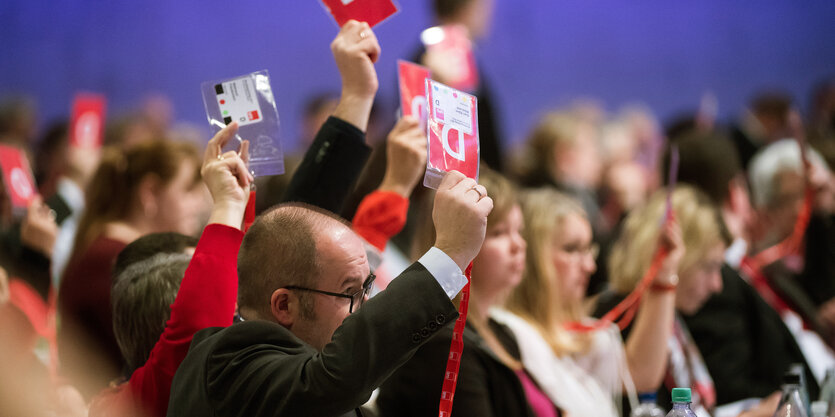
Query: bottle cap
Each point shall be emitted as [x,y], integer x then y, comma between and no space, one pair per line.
[791,378]
[647,397]
[681,395]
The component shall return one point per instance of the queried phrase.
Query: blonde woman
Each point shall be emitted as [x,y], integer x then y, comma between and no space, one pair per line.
[582,372]
[705,239]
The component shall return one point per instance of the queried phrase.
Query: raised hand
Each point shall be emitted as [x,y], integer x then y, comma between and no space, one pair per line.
[227,178]
[355,51]
[405,157]
[460,217]
[39,230]
[672,239]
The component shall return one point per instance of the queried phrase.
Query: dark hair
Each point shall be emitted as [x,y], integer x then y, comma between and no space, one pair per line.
[111,194]
[707,161]
[142,298]
[278,250]
[445,9]
[774,104]
[149,245]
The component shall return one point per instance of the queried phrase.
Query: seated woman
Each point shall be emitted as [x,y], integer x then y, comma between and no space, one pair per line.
[582,372]
[151,187]
[492,380]
[705,239]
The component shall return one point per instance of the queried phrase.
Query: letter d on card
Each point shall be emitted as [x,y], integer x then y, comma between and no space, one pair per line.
[412,81]
[451,133]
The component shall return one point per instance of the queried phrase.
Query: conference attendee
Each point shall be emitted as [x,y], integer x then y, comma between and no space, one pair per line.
[310,344]
[584,372]
[474,18]
[704,239]
[155,315]
[744,343]
[563,151]
[797,283]
[151,187]
[770,116]
[492,380]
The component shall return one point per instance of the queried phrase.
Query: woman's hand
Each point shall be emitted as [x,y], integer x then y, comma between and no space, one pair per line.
[227,178]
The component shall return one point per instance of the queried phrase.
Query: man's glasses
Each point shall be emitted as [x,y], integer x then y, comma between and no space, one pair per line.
[356,298]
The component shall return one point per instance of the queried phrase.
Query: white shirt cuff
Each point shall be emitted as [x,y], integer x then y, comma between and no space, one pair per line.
[445,271]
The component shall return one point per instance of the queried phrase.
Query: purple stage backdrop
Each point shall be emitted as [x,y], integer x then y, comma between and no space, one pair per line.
[540,53]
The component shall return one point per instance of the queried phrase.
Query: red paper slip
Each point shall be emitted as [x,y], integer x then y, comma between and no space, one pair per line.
[17,177]
[87,123]
[369,11]
[412,81]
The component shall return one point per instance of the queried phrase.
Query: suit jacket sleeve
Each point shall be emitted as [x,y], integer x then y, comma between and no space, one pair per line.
[330,167]
[284,376]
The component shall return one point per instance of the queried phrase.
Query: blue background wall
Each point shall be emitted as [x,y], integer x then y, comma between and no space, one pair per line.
[540,53]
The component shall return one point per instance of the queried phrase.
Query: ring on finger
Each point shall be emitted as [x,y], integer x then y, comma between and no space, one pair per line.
[363,35]
[220,157]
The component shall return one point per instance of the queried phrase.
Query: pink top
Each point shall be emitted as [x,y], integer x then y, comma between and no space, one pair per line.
[539,402]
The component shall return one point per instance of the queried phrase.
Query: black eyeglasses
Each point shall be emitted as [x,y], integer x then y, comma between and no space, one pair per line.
[356,298]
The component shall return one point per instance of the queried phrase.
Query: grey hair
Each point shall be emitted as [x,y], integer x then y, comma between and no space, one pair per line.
[780,156]
[141,298]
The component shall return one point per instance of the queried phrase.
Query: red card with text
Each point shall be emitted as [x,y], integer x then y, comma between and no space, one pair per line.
[412,80]
[452,133]
[17,177]
[87,125]
[454,48]
[369,11]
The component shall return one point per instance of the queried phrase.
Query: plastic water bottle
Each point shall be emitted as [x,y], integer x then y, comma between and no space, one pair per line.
[791,403]
[648,406]
[819,409]
[828,392]
[800,370]
[681,403]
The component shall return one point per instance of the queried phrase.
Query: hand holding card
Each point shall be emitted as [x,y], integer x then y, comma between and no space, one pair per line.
[248,101]
[87,126]
[368,11]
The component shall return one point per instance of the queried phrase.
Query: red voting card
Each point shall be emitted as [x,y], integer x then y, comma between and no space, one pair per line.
[452,133]
[369,11]
[87,126]
[17,177]
[453,48]
[412,80]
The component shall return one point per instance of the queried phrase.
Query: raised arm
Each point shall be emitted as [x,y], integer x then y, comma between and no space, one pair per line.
[373,341]
[646,346]
[208,292]
[334,161]
[382,214]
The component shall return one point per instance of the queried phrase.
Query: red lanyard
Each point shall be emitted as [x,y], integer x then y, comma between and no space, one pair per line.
[455,349]
[249,213]
[627,308]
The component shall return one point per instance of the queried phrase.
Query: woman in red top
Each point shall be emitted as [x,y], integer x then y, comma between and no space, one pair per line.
[151,187]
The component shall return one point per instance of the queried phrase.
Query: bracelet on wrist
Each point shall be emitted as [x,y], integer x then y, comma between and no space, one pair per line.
[668,286]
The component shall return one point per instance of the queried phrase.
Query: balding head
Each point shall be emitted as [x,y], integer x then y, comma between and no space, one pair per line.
[280,249]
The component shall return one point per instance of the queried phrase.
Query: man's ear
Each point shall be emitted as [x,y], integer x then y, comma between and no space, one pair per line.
[284,307]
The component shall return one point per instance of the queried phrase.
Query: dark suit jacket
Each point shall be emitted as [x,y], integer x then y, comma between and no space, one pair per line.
[330,167]
[485,388]
[259,368]
[744,342]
